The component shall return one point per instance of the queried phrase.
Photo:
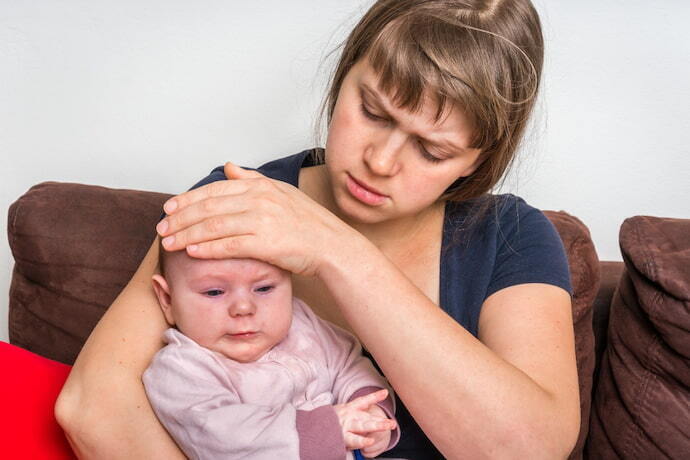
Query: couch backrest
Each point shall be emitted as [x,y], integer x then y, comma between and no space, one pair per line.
[76,246]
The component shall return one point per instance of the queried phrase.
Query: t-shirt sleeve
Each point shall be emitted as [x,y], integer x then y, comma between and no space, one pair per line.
[528,249]
[214,176]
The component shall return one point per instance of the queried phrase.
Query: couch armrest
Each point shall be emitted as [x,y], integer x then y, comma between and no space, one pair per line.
[585,278]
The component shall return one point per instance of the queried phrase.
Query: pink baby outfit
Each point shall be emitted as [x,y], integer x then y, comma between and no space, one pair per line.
[278,407]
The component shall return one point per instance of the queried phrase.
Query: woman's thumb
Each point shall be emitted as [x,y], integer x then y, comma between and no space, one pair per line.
[232,171]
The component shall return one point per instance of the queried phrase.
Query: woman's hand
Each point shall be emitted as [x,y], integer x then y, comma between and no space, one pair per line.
[252,216]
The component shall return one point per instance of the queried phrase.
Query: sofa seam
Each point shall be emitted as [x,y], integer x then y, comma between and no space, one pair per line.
[13,225]
[650,376]
[635,433]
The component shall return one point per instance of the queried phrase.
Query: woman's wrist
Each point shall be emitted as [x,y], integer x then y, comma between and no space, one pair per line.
[347,249]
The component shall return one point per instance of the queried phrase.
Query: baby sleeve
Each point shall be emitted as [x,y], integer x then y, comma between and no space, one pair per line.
[352,374]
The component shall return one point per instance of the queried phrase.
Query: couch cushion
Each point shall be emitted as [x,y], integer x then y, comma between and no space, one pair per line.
[642,402]
[584,276]
[75,247]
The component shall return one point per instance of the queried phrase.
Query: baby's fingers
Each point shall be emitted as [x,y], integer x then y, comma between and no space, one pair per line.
[355,441]
[363,402]
[372,425]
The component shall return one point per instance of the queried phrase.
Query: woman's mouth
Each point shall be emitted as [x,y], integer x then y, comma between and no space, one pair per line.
[364,193]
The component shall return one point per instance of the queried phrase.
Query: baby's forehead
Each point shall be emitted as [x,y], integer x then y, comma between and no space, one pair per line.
[181,263]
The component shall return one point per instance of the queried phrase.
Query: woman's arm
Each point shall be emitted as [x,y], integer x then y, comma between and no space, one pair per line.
[102,407]
[514,394]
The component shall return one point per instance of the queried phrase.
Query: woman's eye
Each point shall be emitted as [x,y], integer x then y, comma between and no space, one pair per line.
[264,289]
[428,156]
[213,292]
[370,115]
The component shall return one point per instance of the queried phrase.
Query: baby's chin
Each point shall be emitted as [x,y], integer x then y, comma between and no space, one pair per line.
[245,359]
[244,356]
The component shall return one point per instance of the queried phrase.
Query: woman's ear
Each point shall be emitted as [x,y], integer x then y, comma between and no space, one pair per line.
[162,290]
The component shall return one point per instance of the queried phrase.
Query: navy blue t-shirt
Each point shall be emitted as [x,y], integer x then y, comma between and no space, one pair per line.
[511,243]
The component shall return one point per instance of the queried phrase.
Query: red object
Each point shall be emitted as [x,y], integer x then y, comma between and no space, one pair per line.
[29,387]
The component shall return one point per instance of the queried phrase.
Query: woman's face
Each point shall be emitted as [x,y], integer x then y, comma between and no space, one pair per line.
[387,163]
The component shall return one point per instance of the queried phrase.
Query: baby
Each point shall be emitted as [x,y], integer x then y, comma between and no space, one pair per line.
[250,371]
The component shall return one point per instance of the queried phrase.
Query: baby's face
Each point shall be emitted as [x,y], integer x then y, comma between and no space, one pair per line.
[240,308]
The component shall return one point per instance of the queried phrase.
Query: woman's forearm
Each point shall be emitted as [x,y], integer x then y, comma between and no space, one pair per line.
[449,380]
[103,407]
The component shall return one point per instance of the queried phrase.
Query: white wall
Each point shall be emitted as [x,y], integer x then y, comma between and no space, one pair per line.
[151,95]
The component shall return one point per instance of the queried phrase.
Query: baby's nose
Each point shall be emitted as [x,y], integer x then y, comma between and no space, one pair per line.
[242,307]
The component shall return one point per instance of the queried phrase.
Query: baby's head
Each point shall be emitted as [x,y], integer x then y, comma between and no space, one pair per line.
[240,308]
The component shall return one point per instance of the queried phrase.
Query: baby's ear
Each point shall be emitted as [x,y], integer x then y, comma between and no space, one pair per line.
[162,290]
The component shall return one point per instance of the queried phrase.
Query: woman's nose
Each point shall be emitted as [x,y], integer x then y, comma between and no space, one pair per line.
[383,157]
[241,307]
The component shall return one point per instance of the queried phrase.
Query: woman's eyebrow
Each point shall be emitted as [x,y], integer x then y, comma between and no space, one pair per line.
[371,92]
[440,143]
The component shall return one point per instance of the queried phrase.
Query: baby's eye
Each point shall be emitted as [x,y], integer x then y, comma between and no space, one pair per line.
[264,289]
[213,292]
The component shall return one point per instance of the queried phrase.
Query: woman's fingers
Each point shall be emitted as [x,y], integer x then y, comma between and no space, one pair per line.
[211,229]
[232,171]
[201,211]
[253,216]
[233,247]
[215,189]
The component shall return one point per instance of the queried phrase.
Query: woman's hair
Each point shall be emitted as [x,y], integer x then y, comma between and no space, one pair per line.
[482,56]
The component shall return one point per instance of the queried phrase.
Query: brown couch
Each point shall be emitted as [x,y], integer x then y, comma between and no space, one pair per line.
[75,247]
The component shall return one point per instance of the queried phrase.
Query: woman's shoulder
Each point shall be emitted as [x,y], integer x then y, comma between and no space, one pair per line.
[506,242]
[498,215]
[285,169]
[525,246]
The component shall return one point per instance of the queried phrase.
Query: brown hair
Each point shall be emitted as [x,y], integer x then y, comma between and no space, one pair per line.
[484,56]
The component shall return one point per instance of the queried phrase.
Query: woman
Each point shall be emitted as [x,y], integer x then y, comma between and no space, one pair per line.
[461,297]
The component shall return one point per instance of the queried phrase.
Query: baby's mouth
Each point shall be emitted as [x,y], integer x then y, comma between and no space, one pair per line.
[243,334]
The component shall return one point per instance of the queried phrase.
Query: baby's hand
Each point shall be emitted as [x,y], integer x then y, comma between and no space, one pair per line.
[364,424]
[381,438]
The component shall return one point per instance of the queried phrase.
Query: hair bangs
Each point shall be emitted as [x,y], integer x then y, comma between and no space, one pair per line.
[411,66]
[405,72]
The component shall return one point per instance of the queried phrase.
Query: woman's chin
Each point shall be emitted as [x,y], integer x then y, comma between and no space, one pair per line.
[354,212]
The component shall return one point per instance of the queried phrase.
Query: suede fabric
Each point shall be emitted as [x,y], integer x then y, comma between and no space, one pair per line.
[610,277]
[642,403]
[75,247]
[585,278]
